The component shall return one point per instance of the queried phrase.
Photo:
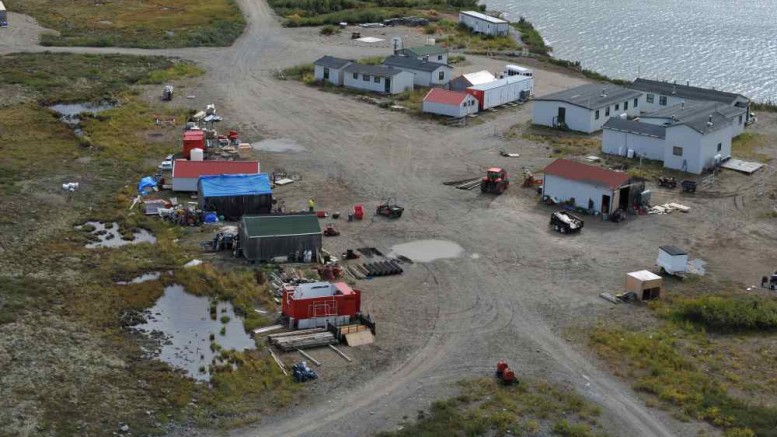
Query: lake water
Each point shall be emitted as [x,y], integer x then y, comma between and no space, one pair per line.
[727,45]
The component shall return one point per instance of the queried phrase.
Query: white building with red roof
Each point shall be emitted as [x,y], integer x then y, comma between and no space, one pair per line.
[451,103]
[587,186]
[186,173]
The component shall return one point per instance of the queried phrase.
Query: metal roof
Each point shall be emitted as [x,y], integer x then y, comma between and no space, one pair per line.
[484,17]
[635,127]
[332,62]
[445,97]
[373,70]
[259,226]
[412,63]
[684,91]
[673,250]
[587,174]
[183,168]
[593,96]
[425,50]
[500,82]
[696,115]
[478,77]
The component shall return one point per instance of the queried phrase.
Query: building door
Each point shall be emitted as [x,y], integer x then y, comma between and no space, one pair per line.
[387,85]
[561,118]
[623,201]
[326,73]
[605,204]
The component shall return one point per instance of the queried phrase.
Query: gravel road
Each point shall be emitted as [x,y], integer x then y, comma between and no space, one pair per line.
[513,293]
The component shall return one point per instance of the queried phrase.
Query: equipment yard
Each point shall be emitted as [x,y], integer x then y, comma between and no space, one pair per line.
[492,280]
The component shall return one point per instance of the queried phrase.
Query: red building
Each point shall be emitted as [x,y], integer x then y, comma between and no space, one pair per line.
[316,304]
[193,139]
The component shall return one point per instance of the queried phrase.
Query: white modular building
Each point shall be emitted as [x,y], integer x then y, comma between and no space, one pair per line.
[377,78]
[661,94]
[585,108]
[485,24]
[454,104]
[587,186]
[425,73]
[467,80]
[502,91]
[330,69]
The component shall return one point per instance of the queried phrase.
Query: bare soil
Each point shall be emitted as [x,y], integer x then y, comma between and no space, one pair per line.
[517,289]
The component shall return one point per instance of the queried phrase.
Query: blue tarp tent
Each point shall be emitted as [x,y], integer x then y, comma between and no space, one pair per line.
[146,185]
[234,195]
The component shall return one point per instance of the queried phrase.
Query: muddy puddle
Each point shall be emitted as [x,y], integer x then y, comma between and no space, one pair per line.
[278,145]
[427,250]
[70,113]
[109,236]
[183,322]
[145,277]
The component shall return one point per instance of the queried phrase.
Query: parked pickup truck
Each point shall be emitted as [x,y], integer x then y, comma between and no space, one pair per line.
[565,223]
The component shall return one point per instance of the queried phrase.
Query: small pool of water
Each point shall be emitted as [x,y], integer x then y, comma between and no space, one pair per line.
[185,323]
[109,236]
[427,250]
[70,113]
[145,277]
[278,145]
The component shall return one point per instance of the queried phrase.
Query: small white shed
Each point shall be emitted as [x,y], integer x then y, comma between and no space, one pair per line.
[330,69]
[672,259]
[451,103]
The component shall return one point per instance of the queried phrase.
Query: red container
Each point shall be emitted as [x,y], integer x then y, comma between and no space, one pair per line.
[336,299]
[358,211]
[193,139]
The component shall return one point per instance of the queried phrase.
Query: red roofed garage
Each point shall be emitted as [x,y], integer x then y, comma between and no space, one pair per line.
[186,173]
[451,103]
[587,186]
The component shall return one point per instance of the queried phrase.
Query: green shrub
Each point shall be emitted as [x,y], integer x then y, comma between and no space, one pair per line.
[532,38]
[329,30]
[738,313]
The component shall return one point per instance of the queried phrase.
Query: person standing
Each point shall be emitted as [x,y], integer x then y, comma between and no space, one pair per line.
[311,204]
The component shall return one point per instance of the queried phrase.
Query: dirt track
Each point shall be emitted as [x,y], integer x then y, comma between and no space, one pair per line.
[514,291]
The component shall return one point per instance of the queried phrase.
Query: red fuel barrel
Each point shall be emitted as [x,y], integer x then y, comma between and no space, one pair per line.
[501,366]
[508,376]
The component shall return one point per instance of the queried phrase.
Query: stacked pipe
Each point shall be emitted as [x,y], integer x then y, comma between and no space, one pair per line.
[382,268]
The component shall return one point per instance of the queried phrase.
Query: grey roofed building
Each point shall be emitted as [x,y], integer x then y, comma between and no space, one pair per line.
[332,62]
[422,51]
[635,127]
[592,96]
[412,63]
[697,115]
[685,91]
[373,70]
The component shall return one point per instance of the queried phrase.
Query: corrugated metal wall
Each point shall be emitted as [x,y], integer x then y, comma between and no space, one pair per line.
[265,248]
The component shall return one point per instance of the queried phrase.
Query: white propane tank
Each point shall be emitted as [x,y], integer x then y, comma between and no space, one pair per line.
[197,154]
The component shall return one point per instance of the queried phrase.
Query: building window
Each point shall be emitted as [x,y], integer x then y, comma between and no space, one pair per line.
[596,115]
[720,147]
[677,151]
[441,76]
[607,111]
[356,75]
[366,77]
[626,106]
[662,100]
[377,79]
[740,119]
[649,98]
[617,106]
[439,57]
[636,102]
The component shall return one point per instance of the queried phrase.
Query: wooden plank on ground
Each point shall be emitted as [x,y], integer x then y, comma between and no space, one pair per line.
[304,354]
[339,352]
[267,329]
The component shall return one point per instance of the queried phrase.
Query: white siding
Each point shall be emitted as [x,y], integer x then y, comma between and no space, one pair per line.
[698,151]
[185,184]
[335,75]
[577,118]
[483,26]
[618,143]
[399,83]
[563,190]
[509,92]
[428,79]
[738,125]
[656,105]
[469,106]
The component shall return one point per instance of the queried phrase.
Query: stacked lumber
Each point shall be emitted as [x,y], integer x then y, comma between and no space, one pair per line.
[291,341]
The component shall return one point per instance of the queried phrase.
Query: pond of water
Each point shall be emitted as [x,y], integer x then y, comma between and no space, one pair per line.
[427,250]
[109,236]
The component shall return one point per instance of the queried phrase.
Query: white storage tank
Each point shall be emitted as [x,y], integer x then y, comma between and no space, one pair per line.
[197,155]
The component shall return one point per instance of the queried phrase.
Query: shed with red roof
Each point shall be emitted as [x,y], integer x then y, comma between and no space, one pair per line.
[587,186]
[451,103]
[186,173]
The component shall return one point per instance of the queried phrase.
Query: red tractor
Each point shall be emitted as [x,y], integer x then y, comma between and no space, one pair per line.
[496,181]
[504,373]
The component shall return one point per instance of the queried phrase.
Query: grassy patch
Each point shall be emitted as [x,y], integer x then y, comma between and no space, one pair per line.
[63,77]
[329,29]
[302,73]
[460,37]
[319,12]
[747,144]
[532,38]
[722,379]
[485,407]
[142,23]
[561,144]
